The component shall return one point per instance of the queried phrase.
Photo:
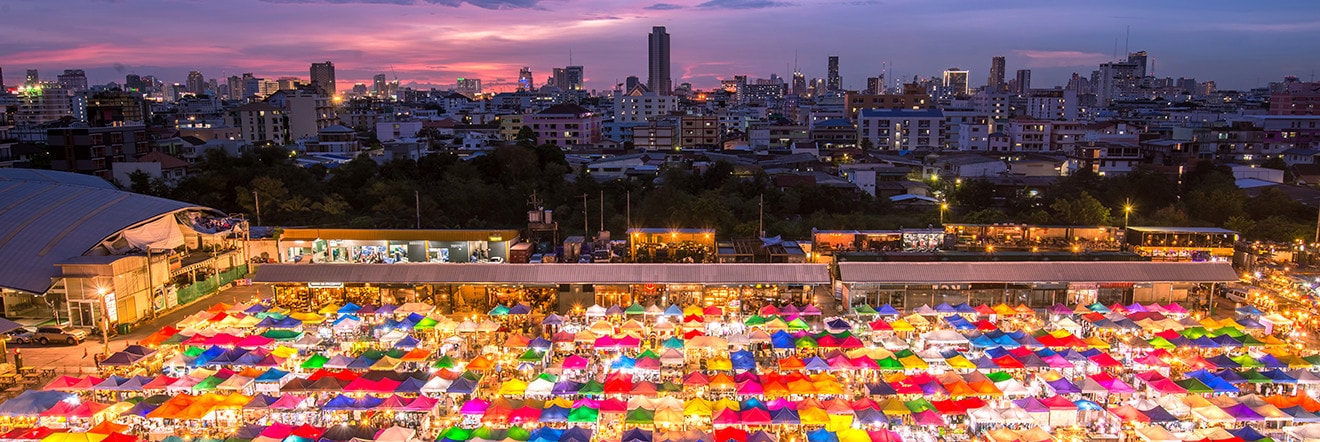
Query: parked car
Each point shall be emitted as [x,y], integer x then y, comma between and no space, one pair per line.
[19,336]
[65,334]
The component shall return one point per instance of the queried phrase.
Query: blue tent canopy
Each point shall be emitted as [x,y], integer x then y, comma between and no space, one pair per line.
[349,309]
[272,375]
[887,310]
[822,435]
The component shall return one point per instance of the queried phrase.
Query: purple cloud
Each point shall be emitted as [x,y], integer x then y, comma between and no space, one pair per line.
[663,7]
[742,4]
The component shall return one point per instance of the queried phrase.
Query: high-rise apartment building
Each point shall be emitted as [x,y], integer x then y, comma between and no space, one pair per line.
[525,82]
[631,83]
[833,82]
[73,80]
[1023,81]
[235,86]
[875,85]
[378,84]
[799,84]
[1140,59]
[996,82]
[42,103]
[568,78]
[2,81]
[658,62]
[955,82]
[33,77]
[196,83]
[468,86]
[323,75]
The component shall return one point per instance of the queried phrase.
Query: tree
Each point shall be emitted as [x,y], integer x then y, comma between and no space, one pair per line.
[526,136]
[867,145]
[1084,210]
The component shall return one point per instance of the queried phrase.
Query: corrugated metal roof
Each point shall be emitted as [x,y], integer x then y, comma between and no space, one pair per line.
[547,273]
[1157,229]
[47,217]
[1029,272]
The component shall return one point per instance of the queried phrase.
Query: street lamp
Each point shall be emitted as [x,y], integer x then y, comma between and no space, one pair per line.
[943,207]
[1127,210]
[105,321]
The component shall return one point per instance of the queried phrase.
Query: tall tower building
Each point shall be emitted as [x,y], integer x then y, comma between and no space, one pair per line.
[658,62]
[196,83]
[833,82]
[323,75]
[378,84]
[799,84]
[631,83]
[32,77]
[73,80]
[2,81]
[875,85]
[1023,81]
[569,78]
[996,83]
[525,81]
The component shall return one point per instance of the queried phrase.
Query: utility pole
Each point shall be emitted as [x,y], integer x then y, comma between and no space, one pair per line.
[417,197]
[256,204]
[602,210]
[629,215]
[586,228]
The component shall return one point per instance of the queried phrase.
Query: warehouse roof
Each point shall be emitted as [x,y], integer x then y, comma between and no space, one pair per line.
[1030,272]
[547,273]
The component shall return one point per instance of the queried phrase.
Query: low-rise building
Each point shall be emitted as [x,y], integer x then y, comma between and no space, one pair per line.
[901,129]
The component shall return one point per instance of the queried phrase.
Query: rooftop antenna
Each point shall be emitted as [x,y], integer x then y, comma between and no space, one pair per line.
[1127,34]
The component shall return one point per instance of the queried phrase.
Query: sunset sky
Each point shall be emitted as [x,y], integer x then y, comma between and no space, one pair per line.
[431,42]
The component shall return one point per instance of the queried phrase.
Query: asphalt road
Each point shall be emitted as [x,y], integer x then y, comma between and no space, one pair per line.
[77,359]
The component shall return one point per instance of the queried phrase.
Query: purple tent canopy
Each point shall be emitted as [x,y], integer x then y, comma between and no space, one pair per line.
[1243,413]
[810,310]
[1063,386]
[475,406]
[520,309]
[1060,309]
[1032,405]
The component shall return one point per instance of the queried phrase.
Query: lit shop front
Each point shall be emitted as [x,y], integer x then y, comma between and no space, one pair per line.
[1182,243]
[477,288]
[373,246]
[908,285]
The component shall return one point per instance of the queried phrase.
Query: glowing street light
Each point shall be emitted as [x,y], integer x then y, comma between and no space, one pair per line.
[1127,210]
[943,208]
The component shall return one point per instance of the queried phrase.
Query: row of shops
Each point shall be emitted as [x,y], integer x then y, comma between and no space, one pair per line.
[565,288]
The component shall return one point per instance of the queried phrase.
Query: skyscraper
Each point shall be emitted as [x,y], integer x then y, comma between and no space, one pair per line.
[196,83]
[833,82]
[133,82]
[568,78]
[631,83]
[73,80]
[658,62]
[32,77]
[323,75]
[799,84]
[1023,81]
[2,81]
[996,83]
[875,85]
[378,84]
[525,79]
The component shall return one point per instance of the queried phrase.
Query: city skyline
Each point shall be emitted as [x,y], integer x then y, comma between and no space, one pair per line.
[711,39]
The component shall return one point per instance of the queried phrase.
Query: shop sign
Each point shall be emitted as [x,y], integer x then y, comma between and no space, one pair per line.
[111,307]
[951,287]
[325,285]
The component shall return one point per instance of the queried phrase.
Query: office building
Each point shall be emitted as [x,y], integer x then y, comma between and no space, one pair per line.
[74,80]
[323,75]
[1023,81]
[833,82]
[996,82]
[33,77]
[955,82]
[525,82]
[799,84]
[658,62]
[42,103]
[112,107]
[196,83]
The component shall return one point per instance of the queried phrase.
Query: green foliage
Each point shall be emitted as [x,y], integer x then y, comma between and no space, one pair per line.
[1083,210]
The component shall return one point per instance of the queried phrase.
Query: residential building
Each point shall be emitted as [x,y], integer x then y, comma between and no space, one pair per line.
[196,83]
[335,139]
[912,97]
[639,106]
[92,150]
[42,103]
[1030,134]
[657,135]
[996,82]
[1022,81]
[323,76]
[565,125]
[568,78]
[1296,98]
[901,129]
[510,125]
[468,86]
[74,80]
[955,83]
[657,58]
[1053,104]
[308,111]
[262,124]
[156,164]
[1104,158]
[699,131]
[835,133]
